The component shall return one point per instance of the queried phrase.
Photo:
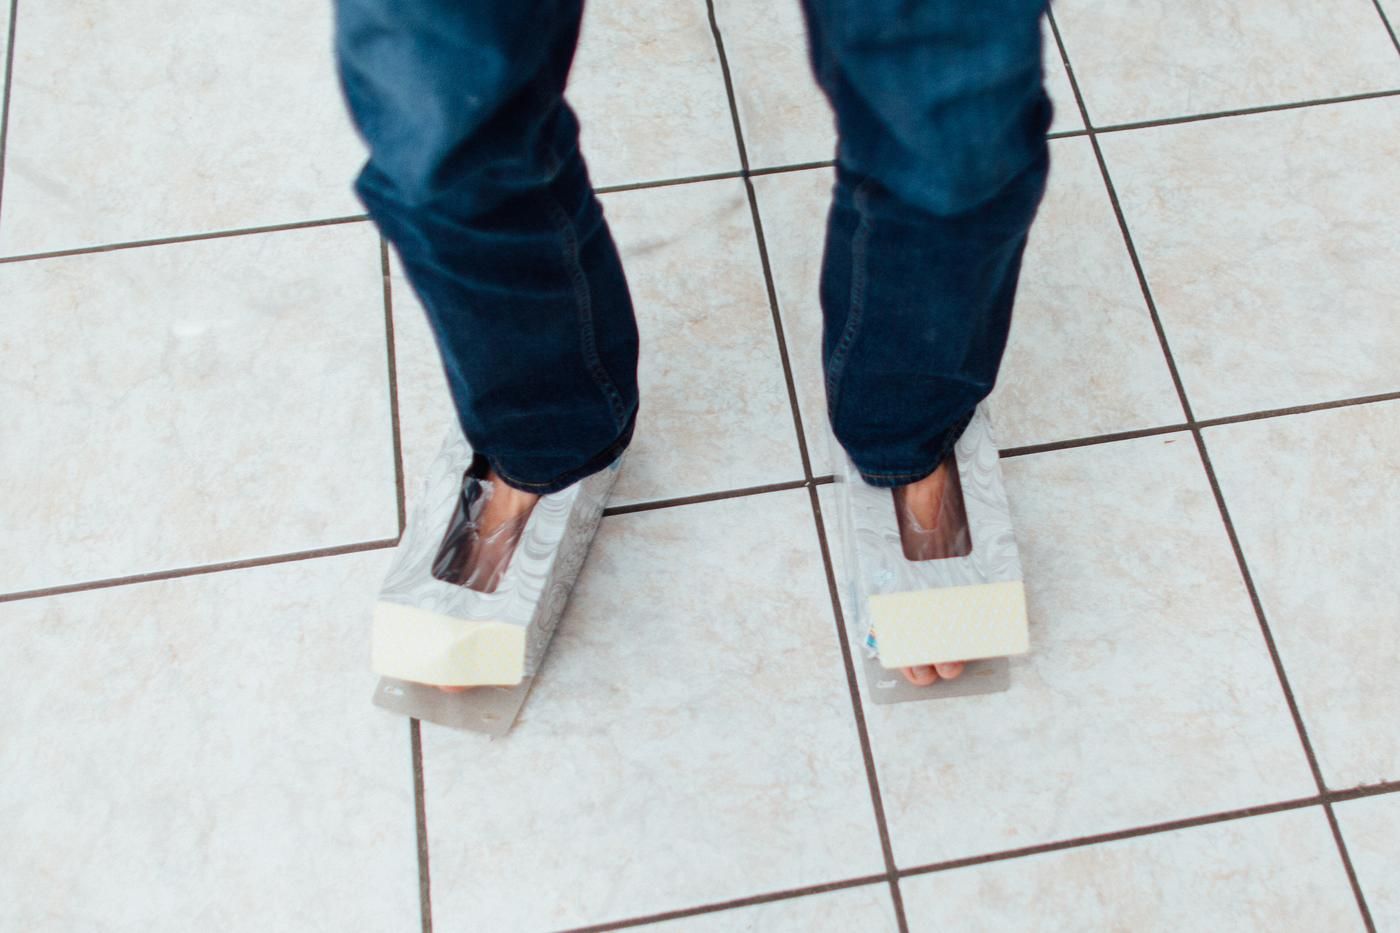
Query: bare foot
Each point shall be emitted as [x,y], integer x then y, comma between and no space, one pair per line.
[487,539]
[933,525]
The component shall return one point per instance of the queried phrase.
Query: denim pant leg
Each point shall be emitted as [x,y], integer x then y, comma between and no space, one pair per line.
[475,176]
[941,165]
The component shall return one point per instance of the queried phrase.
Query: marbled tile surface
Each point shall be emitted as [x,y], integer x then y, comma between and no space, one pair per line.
[1280,871]
[1148,693]
[793,207]
[425,404]
[690,738]
[201,754]
[714,406]
[1371,828]
[867,908]
[1067,117]
[1142,61]
[1313,500]
[649,93]
[222,116]
[193,403]
[715,412]
[1269,245]
[1083,357]
[784,115]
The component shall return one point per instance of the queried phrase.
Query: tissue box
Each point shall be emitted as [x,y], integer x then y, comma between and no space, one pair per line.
[428,631]
[911,612]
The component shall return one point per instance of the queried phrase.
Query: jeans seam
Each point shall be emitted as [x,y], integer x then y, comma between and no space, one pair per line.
[584,306]
[856,306]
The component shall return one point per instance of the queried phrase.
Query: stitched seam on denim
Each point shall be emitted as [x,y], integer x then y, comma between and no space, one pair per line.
[584,306]
[856,307]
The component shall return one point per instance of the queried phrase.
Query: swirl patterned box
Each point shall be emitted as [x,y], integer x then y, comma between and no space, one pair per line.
[911,612]
[427,631]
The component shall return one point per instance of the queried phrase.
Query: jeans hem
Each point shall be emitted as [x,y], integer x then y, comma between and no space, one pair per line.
[564,480]
[887,479]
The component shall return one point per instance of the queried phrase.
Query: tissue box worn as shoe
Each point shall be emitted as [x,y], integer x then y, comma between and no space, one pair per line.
[430,631]
[913,612]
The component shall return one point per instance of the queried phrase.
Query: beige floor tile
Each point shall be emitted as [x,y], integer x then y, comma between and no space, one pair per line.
[1269,245]
[1067,117]
[1143,61]
[1312,498]
[784,115]
[867,909]
[1083,357]
[715,412]
[1148,694]
[690,738]
[1371,828]
[159,118]
[1274,872]
[201,754]
[649,92]
[193,403]
[793,207]
[426,413]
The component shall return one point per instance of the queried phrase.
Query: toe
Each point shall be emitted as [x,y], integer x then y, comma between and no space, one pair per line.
[920,676]
[949,670]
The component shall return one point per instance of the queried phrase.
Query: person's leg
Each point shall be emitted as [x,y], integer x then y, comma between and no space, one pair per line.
[475,176]
[941,164]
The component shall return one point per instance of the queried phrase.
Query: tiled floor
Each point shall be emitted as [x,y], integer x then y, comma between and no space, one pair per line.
[210,400]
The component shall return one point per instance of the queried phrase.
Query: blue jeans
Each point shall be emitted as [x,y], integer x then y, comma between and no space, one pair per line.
[475,176]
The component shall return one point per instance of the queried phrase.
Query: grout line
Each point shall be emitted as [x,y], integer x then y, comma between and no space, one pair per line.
[200,570]
[1394,37]
[771,290]
[187,238]
[420,823]
[778,333]
[1363,790]
[794,167]
[1093,439]
[768,898]
[1123,225]
[1150,829]
[857,706]
[1217,492]
[666,182]
[1090,440]
[1114,836]
[872,779]
[5,98]
[759,240]
[1242,111]
[745,172]
[1299,409]
[1279,670]
[393,383]
[704,497]
[1345,856]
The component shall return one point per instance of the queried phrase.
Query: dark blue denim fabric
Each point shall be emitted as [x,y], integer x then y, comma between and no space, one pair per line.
[475,176]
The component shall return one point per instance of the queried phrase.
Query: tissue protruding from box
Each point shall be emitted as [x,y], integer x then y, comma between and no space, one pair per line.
[953,623]
[431,648]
